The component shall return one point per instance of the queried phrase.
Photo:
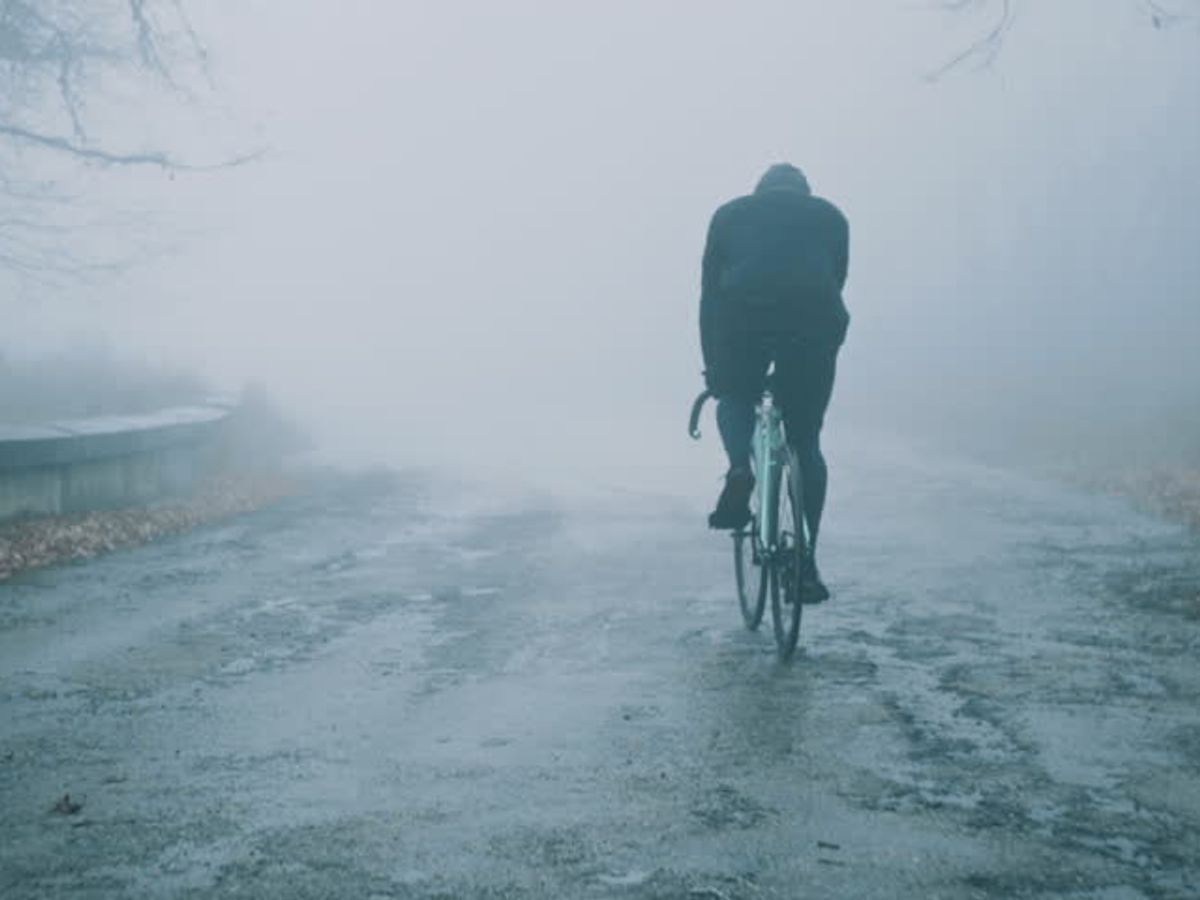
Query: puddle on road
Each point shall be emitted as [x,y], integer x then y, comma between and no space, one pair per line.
[632,878]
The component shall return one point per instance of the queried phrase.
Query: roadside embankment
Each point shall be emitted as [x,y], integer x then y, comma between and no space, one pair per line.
[74,489]
[108,462]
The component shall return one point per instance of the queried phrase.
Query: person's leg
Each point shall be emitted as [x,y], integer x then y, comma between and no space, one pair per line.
[744,368]
[806,377]
[735,421]
[815,473]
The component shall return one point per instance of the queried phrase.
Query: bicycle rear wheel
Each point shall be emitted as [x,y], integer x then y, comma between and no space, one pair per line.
[791,548]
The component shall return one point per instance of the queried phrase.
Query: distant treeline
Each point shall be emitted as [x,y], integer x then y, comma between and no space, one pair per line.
[68,385]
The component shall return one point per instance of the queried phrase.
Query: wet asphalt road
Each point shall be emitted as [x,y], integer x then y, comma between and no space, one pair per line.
[403,686]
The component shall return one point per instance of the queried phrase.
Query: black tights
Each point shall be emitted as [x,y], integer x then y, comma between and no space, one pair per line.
[802,384]
[815,474]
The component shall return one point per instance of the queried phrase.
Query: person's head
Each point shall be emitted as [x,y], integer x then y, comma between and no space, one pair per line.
[783,177]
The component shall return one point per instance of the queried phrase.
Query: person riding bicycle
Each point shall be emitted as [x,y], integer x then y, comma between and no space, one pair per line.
[774,267]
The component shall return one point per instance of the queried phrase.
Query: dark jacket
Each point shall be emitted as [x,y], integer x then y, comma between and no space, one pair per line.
[779,248]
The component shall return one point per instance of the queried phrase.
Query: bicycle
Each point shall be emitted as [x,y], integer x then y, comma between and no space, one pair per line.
[776,539]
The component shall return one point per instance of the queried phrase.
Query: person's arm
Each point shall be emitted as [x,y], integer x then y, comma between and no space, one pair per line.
[842,252]
[710,273]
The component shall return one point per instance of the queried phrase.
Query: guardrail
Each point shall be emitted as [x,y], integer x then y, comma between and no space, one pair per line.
[106,462]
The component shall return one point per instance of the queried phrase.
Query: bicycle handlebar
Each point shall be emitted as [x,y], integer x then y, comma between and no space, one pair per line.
[694,421]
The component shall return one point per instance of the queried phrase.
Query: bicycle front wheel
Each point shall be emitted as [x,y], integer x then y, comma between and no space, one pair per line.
[788,556]
[751,576]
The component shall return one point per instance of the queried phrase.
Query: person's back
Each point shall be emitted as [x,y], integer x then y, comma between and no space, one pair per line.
[780,245]
[774,267]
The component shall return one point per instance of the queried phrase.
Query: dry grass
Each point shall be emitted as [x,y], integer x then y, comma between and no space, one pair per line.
[1170,492]
[46,540]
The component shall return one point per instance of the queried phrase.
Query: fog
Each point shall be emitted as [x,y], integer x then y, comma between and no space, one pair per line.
[476,228]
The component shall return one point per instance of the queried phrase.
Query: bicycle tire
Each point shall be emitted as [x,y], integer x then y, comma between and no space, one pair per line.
[752,598]
[790,546]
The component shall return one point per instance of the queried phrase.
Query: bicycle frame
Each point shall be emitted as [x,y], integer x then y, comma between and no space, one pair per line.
[779,559]
[769,442]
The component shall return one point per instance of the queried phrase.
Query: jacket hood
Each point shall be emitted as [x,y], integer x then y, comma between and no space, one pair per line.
[783,177]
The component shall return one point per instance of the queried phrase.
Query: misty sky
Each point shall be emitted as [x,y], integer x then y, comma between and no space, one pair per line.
[477,215]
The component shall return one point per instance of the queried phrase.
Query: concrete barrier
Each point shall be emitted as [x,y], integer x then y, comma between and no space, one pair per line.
[107,462]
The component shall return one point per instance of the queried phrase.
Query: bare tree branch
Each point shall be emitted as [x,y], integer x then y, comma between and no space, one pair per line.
[151,158]
[1162,17]
[56,53]
[983,50]
[147,45]
[59,61]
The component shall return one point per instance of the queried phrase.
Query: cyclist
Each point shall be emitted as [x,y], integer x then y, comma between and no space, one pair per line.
[774,268]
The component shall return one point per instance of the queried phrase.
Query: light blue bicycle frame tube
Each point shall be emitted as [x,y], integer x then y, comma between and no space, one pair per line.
[768,439]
